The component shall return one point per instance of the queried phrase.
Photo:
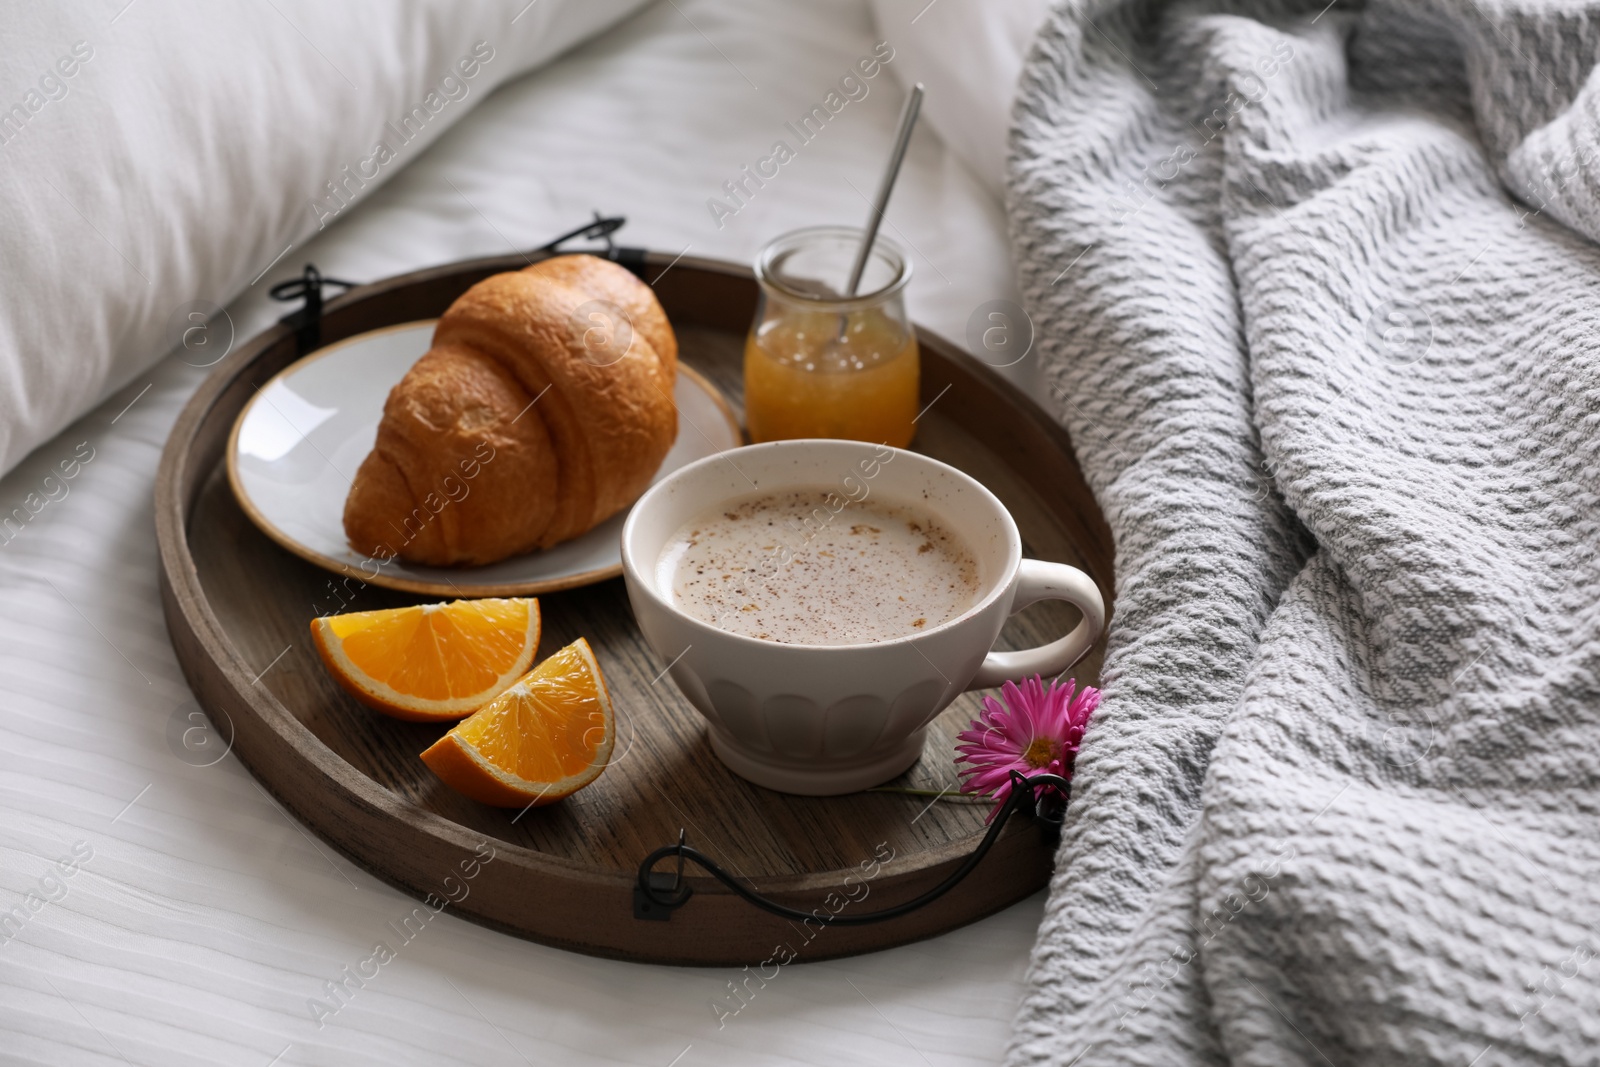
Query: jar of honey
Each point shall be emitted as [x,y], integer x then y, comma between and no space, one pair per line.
[819,363]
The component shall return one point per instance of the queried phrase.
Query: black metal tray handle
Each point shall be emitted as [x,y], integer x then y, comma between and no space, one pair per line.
[659,893]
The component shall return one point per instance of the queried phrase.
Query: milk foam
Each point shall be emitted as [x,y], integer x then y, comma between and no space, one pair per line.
[787,567]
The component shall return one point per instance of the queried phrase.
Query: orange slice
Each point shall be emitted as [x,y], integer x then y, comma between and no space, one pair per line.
[545,738]
[433,662]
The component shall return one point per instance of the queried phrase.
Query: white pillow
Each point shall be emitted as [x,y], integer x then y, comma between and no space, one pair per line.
[162,156]
[968,54]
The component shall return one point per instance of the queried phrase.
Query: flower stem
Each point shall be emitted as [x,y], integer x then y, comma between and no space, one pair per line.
[926,792]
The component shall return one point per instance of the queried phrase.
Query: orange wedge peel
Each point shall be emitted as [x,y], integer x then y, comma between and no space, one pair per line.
[431,662]
[544,738]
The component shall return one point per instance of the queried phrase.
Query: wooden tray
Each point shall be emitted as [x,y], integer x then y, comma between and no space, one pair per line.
[238,606]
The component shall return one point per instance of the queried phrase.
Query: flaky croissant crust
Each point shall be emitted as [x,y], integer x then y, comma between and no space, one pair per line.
[544,407]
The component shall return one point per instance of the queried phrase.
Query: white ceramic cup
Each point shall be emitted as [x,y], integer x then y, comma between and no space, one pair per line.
[827,719]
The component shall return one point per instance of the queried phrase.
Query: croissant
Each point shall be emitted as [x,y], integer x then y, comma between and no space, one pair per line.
[544,406]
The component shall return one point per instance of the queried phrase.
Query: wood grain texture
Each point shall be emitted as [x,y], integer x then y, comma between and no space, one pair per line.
[563,874]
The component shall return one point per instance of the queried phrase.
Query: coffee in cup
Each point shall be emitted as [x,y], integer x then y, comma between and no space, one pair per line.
[787,567]
[804,716]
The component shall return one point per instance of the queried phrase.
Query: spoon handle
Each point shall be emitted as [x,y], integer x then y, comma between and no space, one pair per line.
[908,119]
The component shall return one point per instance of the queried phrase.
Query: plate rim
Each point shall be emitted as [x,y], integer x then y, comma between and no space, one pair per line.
[289,543]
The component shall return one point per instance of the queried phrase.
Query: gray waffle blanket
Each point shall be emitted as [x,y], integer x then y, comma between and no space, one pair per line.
[1317,293]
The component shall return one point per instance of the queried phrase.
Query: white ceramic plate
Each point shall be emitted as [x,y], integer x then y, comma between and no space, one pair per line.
[297,444]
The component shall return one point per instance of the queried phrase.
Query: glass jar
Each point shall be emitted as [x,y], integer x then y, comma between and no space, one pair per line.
[818,364]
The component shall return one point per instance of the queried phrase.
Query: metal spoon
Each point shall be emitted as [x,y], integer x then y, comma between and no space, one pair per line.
[902,138]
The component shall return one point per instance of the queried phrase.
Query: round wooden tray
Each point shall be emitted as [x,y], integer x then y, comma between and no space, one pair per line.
[238,607]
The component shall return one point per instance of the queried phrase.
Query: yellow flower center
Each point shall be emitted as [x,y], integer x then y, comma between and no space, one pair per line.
[1040,751]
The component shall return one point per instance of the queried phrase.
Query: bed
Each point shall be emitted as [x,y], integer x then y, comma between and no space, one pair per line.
[199,918]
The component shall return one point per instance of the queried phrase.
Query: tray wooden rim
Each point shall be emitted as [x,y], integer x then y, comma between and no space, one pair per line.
[413,585]
[302,761]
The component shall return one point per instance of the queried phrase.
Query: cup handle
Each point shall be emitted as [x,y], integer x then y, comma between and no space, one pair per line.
[1036,581]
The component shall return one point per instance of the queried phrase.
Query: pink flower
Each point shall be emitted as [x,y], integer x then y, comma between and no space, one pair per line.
[1037,731]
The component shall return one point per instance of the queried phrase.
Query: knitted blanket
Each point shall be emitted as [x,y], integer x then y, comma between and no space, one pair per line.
[1317,293]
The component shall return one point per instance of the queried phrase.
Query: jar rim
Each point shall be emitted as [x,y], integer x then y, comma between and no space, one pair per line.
[883,246]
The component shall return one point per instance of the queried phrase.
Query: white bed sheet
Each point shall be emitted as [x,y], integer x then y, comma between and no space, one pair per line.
[206,917]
